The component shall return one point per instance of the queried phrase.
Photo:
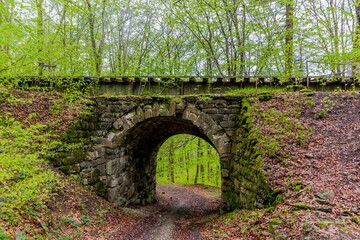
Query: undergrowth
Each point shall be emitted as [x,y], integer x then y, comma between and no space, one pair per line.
[26,181]
[277,126]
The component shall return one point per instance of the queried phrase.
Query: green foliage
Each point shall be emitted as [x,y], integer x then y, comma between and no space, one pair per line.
[188,158]
[223,41]
[25,182]
[3,235]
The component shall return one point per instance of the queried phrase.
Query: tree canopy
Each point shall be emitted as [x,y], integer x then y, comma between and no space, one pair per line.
[184,37]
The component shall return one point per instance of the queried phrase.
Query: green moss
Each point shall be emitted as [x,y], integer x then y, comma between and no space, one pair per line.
[274,224]
[355,220]
[307,92]
[302,206]
[95,177]
[324,224]
[79,155]
[69,169]
[251,176]
[297,186]
[100,189]
[265,96]
[275,197]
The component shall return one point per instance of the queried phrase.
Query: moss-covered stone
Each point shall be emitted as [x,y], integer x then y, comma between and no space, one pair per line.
[79,155]
[324,224]
[70,169]
[303,206]
[275,197]
[274,223]
[100,189]
[355,220]
[95,177]
[251,176]
[265,96]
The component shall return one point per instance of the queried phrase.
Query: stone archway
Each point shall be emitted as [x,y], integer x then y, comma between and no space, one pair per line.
[137,137]
[126,133]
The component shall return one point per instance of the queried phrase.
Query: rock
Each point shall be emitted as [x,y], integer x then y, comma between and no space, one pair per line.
[324,224]
[322,202]
[274,224]
[309,155]
[354,210]
[118,124]
[303,206]
[355,220]
[345,213]
[324,209]
[326,194]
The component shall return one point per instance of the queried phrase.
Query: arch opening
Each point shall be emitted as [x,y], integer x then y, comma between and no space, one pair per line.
[139,149]
[188,159]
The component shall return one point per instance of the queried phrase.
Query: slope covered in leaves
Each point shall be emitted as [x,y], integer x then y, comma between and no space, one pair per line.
[36,201]
[312,154]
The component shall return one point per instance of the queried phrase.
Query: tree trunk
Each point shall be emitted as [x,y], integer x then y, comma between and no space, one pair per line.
[196,174]
[198,158]
[356,43]
[171,161]
[187,167]
[202,173]
[289,39]
[40,34]
[97,51]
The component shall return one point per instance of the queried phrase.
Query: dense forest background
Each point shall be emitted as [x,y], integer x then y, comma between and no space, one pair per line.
[180,37]
[188,159]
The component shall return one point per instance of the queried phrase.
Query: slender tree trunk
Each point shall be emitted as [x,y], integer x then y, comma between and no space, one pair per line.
[198,158]
[97,51]
[208,172]
[356,43]
[289,39]
[202,173]
[196,174]
[187,167]
[40,34]
[171,161]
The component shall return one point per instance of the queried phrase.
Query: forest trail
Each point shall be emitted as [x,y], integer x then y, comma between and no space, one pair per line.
[178,213]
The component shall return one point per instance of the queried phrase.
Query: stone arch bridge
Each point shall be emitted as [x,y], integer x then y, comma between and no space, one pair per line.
[120,136]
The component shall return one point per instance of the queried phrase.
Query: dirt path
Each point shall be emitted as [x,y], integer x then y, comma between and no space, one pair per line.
[178,214]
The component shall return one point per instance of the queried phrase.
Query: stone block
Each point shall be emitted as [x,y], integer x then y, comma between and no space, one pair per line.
[140,114]
[224,148]
[225,173]
[112,166]
[106,143]
[113,181]
[105,125]
[228,124]
[218,117]
[118,124]
[101,169]
[83,165]
[113,193]
[172,109]
[155,109]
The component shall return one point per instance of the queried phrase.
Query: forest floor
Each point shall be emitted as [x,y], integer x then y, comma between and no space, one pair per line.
[326,159]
